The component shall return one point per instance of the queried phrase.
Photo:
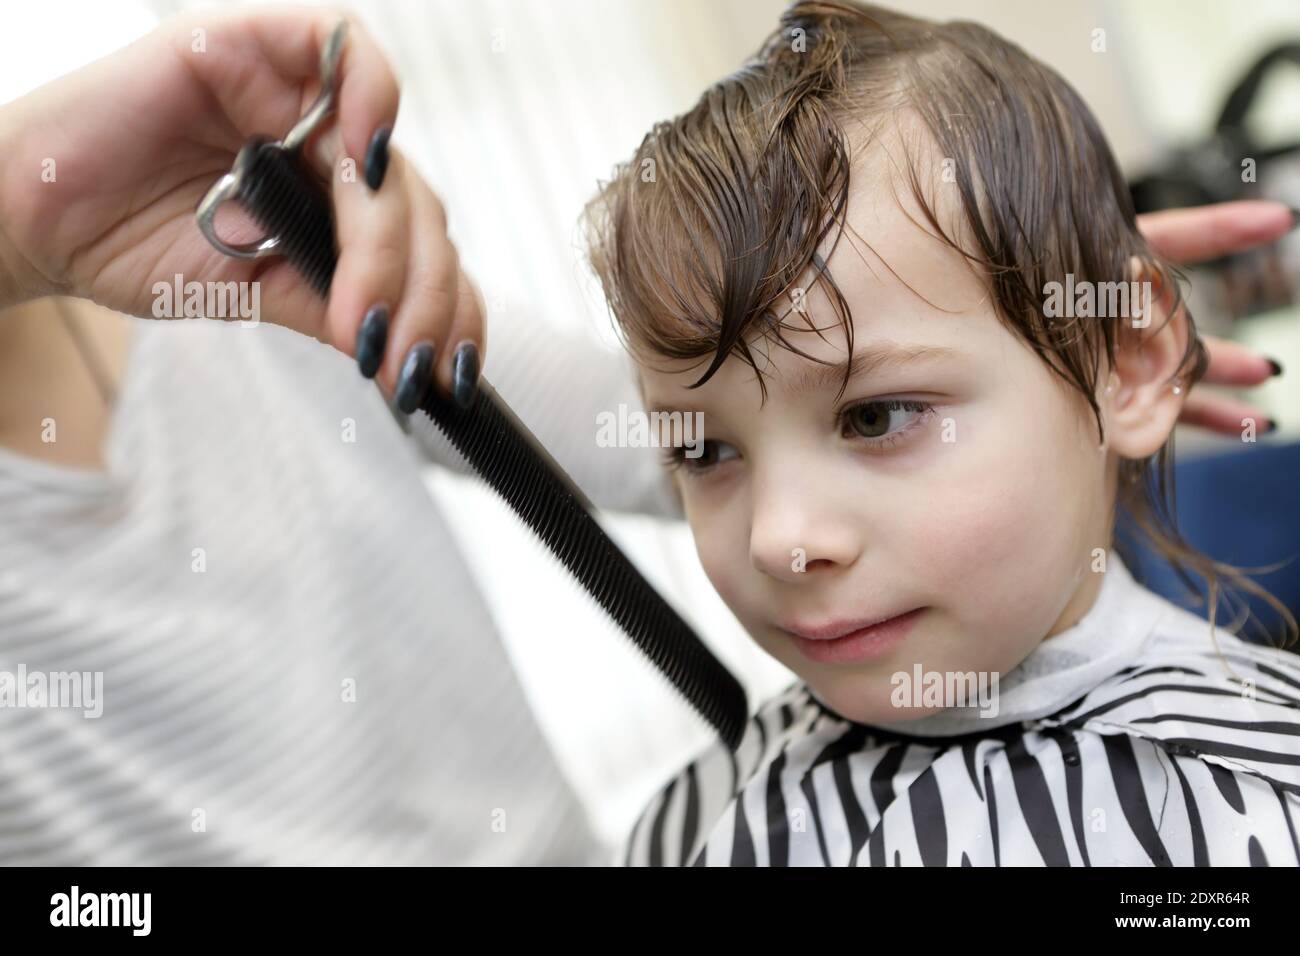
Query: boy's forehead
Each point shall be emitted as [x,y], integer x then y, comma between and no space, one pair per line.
[902,289]
[888,256]
[889,264]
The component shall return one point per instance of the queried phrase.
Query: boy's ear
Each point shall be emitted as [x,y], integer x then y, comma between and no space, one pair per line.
[1143,398]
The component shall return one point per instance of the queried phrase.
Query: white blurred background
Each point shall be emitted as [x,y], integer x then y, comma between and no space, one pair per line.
[513,110]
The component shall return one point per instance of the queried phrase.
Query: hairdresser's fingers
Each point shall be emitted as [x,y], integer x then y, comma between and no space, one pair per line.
[461,362]
[1223,414]
[1208,232]
[1234,364]
[368,94]
[367,108]
[374,235]
[418,337]
[239,55]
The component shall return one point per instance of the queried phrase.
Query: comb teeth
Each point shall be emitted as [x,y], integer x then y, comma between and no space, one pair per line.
[289,201]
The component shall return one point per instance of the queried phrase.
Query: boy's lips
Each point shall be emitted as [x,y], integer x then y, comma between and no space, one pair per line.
[841,642]
[836,629]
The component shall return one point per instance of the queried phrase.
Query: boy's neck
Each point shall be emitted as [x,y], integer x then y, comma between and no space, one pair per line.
[1080,603]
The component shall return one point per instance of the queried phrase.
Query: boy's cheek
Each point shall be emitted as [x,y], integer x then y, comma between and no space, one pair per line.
[999,530]
[724,556]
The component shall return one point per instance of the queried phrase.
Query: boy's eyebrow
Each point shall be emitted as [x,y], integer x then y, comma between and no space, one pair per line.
[864,361]
[873,359]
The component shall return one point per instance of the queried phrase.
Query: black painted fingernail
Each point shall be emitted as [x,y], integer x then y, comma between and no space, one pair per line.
[1295,217]
[1276,366]
[417,372]
[1271,426]
[377,157]
[464,374]
[371,339]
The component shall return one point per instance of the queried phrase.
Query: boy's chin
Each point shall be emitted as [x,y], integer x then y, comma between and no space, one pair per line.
[866,703]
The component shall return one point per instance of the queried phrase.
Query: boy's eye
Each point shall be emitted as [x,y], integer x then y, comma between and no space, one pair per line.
[877,419]
[711,454]
[878,425]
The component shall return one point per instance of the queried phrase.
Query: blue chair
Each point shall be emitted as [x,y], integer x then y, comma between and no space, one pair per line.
[1241,506]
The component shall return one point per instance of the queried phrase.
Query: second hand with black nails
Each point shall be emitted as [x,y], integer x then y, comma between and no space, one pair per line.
[280,190]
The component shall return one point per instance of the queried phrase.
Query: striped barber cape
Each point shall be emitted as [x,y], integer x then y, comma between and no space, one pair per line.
[1187,756]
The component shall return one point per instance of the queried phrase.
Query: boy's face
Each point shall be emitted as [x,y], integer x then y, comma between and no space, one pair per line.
[977,503]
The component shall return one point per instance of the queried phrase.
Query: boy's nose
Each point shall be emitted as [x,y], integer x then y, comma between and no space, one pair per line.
[794,533]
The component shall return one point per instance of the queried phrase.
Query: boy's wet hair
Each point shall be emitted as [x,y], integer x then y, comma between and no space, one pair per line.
[701,239]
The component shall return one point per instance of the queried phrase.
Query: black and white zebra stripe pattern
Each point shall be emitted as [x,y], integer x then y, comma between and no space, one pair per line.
[1171,762]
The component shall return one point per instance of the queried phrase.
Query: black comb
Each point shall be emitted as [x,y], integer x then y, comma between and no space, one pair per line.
[291,202]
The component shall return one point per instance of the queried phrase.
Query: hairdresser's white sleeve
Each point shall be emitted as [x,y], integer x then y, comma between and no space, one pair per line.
[558,382]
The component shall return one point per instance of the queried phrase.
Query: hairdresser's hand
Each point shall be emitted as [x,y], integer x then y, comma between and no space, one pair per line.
[101,172]
[1188,236]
